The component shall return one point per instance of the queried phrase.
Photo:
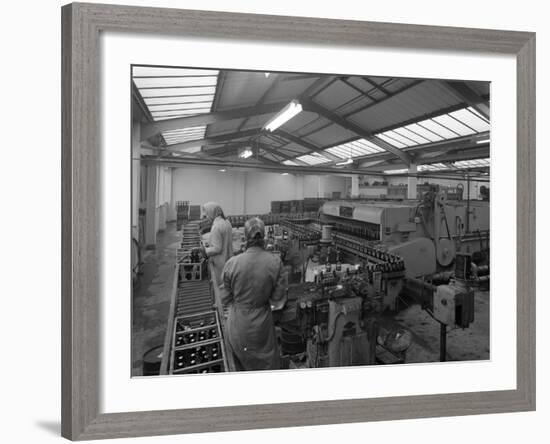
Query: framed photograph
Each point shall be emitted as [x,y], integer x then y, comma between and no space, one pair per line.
[278,221]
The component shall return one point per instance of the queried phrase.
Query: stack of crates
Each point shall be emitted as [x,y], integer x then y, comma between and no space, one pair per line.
[190,237]
[197,346]
[275,206]
[285,206]
[182,213]
[194,212]
[312,204]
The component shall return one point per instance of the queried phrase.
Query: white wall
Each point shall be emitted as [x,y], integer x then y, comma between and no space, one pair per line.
[249,192]
[329,184]
[201,184]
[474,185]
[262,188]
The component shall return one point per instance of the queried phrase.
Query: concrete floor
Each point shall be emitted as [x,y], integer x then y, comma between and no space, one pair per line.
[151,296]
[151,301]
[462,344]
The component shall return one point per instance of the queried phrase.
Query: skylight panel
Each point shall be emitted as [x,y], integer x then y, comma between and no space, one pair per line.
[474,163]
[360,147]
[165,82]
[436,128]
[419,140]
[184,135]
[473,111]
[423,132]
[433,167]
[171,92]
[313,159]
[471,119]
[184,112]
[391,141]
[367,147]
[290,163]
[201,98]
[178,107]
[454,125]
[159,71]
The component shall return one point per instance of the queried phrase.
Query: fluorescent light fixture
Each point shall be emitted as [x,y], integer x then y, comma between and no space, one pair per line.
[266,74]
[346,162]
[190,150]
[223,170]
[246,153]
[284,174]
[401,171]
[283,116]
[483,141]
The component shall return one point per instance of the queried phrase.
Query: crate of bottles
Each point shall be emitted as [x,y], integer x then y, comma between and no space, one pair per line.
[192,271]
[197,346]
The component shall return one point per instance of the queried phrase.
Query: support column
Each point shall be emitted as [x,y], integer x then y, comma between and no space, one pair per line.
[299,181]
[172,210]
[321,187]
[244,182]
[151,208]
[412,181]
[136,176]
[355,186]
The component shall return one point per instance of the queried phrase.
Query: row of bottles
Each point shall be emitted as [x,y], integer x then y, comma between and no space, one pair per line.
[194,356]
[192,337]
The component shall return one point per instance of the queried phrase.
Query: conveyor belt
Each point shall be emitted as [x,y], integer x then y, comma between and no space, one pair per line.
[193,297]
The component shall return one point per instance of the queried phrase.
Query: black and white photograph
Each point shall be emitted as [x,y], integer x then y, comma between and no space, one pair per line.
[291,221]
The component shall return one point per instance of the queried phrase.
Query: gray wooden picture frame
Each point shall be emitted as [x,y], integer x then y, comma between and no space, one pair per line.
[81,168]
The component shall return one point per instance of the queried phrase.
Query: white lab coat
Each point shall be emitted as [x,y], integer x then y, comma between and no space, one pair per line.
[220,247]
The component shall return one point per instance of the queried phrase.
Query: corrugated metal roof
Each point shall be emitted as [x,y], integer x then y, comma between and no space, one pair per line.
[414,103]
[336,95]
[331,135]
[242,88]
[377,104]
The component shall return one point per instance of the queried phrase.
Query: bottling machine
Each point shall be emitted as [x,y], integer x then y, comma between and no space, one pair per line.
[354,260]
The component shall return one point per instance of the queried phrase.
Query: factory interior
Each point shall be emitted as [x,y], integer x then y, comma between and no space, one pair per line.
[374,192]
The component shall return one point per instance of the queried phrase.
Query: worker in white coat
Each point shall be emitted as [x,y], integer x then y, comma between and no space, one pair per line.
[220,244]
[254,283]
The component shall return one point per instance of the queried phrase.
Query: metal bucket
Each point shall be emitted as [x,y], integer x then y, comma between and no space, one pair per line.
[151,361]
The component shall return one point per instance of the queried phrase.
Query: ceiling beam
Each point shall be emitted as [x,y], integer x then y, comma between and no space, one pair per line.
[273,150]
[469,154]
[448,146]
[308,145]
[228,148]
[154,128]
[278,168]
[464,92]
[215,140]
[316,87]
[478,152]
[306,169]
[377,86]
[231,148]
[350,126]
